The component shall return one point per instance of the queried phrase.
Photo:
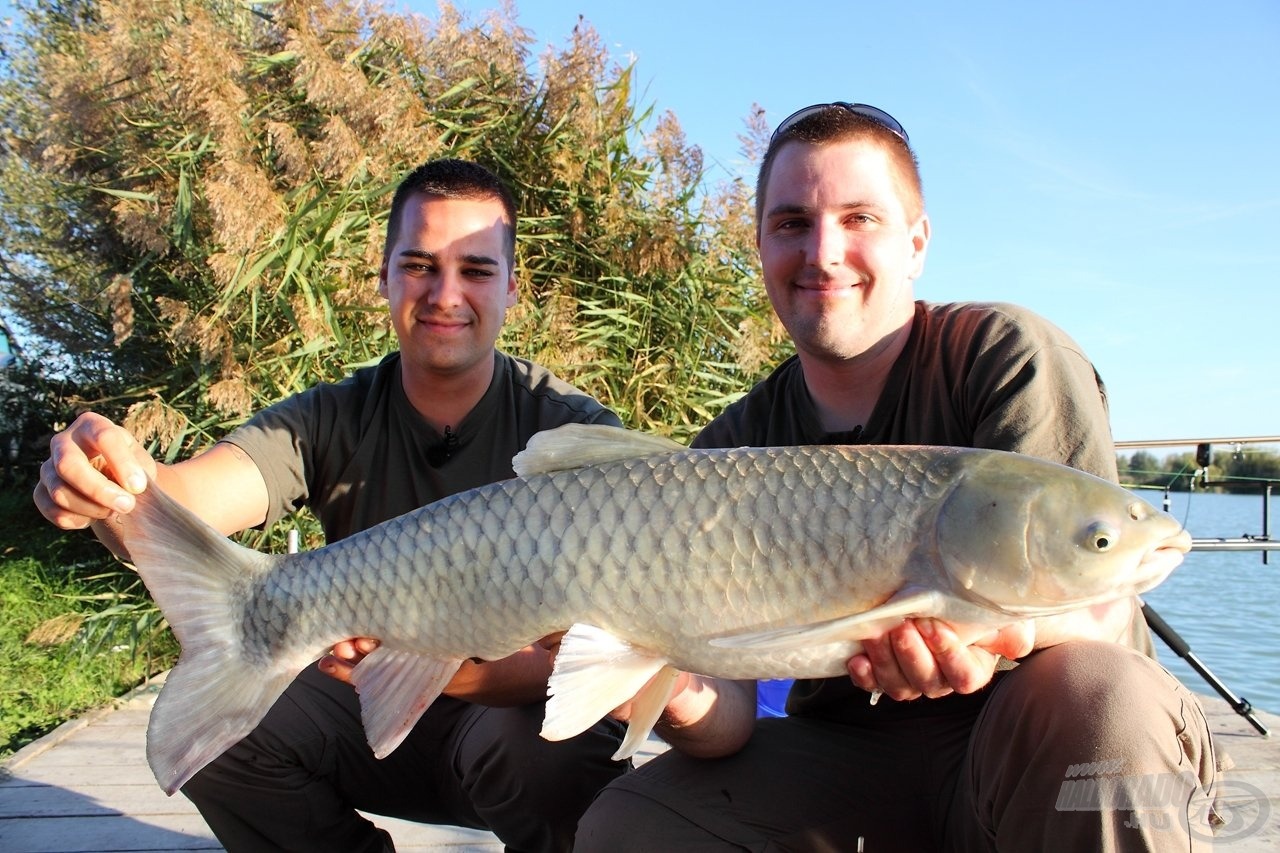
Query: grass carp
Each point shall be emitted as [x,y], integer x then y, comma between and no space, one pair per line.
[740,563]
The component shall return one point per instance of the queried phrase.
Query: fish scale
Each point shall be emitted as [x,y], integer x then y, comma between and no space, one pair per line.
[739,563]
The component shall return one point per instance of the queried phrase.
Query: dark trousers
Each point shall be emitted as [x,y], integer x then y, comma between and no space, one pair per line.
[1045,763]
[296,781]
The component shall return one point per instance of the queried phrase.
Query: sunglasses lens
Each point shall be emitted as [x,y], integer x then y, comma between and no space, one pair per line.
[876,114]
[879,116]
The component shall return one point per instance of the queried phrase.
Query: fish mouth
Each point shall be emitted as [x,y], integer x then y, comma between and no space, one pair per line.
[1160,561]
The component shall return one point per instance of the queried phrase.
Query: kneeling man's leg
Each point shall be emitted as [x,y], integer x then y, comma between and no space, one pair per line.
[1087,746]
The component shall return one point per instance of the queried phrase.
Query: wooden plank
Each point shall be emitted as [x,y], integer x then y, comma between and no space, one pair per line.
[97,800]
[105,834]
[78,775]
[49,801]
[88,788]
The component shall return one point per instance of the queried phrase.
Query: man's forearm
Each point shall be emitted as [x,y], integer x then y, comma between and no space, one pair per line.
[518,679]
[710,718]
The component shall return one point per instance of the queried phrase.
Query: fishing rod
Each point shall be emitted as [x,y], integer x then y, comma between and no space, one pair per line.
[1182,650]
[1263,543]
[1203,458]
[1180,646]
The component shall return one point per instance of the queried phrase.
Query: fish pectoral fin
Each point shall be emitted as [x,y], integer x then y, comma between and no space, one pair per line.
[576,445]
[858,626]
[395,688]
[596,672]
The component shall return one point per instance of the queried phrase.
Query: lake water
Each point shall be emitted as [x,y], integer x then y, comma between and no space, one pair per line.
[1226,605]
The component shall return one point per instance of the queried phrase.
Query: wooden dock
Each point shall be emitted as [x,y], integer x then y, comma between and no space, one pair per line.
[86,788]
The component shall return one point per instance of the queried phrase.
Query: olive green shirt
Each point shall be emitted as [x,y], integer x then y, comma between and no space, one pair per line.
[357,452]
[971,375]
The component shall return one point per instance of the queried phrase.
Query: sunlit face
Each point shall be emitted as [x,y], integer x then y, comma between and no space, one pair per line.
[449,283]
[837,248]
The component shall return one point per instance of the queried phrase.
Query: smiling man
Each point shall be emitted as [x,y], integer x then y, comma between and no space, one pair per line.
[444,414]
[960,752]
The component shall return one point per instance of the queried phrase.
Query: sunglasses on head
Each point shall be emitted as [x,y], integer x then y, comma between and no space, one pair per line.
[876,114]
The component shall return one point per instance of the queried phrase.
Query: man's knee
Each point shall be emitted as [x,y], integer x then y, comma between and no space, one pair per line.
[1102,688]
[1077,721]
[528,790]
[1082,703]
[512,737]
[621,820]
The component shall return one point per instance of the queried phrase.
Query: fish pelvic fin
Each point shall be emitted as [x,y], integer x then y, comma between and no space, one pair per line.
[646,709]
[596,672]
[395,688]
[859,626]
[214,696]
[579,445]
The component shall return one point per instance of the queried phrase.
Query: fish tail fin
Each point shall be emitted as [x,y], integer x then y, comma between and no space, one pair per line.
[215,694]
[205,708]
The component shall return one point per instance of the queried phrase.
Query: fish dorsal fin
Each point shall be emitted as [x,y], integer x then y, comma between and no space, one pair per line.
[395,688]
[594,673]
[859,626]
[578,445]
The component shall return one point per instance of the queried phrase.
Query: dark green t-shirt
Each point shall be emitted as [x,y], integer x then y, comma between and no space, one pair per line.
[357,452]
[972,374]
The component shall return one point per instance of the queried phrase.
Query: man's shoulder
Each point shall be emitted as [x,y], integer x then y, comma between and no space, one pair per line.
[364,380]
[977,311]
[744,421]
[535,385]
[972,322]
[773,386]
[326,405]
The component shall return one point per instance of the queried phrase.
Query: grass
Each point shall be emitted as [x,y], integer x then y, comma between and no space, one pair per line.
[76,626]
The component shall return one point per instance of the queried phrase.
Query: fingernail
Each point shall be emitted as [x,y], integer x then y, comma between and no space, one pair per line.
[928,630]
[136,482]
[123,503]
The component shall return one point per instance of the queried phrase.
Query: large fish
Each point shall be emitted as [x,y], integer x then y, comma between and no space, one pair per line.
[744,563]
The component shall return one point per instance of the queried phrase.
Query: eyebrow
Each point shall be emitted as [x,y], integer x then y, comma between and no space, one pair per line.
[432,256]
[805,210]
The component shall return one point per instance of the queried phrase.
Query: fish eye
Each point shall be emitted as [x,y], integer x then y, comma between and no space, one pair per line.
[1101,537]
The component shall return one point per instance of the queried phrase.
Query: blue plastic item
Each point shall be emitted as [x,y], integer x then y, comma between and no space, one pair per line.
[771,697]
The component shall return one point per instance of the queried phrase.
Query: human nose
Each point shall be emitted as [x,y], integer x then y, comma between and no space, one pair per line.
[446,290]
[827,244]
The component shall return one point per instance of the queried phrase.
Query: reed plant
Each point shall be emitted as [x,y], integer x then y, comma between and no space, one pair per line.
[193,197]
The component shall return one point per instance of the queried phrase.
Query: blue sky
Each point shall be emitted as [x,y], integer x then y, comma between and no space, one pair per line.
[1112,165]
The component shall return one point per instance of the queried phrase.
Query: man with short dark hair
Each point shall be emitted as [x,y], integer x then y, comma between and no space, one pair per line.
[959,753]
[445,413]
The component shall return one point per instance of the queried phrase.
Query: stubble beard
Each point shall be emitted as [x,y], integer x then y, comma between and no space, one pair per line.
[828,337]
